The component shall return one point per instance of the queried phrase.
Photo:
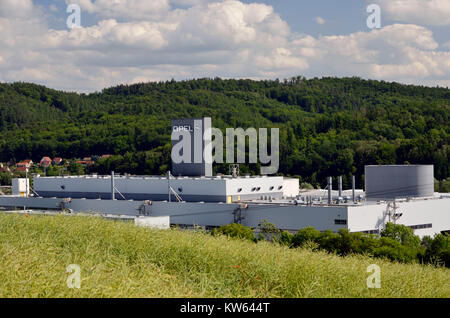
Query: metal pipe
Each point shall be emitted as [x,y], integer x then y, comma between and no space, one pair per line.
[112,186]
[340,186]
[168,185]
[330,187]
[26,182]
[353,188]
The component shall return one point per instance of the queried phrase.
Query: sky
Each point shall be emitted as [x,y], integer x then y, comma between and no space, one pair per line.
[132,41]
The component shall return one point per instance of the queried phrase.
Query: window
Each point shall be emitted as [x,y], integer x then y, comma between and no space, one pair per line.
[340,222]
[371,232]
[421,226]
[239,190]
[271,188]
[258,188]
[180,189]
[253,189]
[280,187]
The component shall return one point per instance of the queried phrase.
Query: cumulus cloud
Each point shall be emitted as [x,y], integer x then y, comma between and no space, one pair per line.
[397,52]
[124,8]
[206,39]
[319,20]
[426,12]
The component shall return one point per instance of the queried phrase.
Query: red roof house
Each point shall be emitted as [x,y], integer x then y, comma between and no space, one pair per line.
[26,163]
[45,161]
[85,162]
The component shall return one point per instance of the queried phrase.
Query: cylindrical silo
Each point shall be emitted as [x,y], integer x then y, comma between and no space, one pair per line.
[398,181]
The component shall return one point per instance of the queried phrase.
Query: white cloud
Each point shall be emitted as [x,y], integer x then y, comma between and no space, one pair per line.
[397,52]
[125,9]
[15,8]
[426,12]
[319,20]
[207,39]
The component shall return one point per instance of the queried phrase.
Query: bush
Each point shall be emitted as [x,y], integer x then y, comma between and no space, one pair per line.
[268,231]
[438,251]
[402,234]
[329,241]
[393,250]
[285,238]
[306,186]
[305,235]
[237,231]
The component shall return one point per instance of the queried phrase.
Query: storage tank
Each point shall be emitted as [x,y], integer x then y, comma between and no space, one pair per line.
[398,181]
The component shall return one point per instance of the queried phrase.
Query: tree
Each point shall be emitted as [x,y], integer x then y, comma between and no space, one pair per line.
[401,233]
[438,251]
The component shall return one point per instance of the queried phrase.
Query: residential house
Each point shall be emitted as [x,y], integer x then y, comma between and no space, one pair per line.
[25,164]
[85,162]
[45,162]
[57,160]
[21,169]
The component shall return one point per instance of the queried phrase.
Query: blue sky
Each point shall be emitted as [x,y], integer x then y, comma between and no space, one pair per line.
[141,40]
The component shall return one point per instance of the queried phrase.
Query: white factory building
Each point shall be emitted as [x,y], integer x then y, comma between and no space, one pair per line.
[192,189]
[403,194]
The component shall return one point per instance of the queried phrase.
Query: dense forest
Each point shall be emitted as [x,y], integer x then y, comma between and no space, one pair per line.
[328,126]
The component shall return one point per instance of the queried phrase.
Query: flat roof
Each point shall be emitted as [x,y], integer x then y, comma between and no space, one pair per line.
[116,176]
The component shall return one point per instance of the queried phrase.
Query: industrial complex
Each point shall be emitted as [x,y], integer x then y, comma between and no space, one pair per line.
[191,195]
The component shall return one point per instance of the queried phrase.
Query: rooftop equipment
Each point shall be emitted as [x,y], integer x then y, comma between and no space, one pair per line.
[330,188]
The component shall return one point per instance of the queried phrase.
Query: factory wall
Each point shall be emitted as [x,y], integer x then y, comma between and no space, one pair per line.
[185,213]
[428,216]
[294,218]
[414,213]
[254,187]
[155,188]
[291,187]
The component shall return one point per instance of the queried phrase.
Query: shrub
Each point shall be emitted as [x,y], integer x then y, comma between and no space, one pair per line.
[305,235]
[237,231]
[438,252]
[393,250]
[329,241]
[306,186]
[285,238]
[402,234]
[268,231]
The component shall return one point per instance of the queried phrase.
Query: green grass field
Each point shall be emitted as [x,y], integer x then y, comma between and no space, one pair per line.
[118,259]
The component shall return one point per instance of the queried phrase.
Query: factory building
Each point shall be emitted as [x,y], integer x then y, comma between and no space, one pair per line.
[192,189]
[403,194]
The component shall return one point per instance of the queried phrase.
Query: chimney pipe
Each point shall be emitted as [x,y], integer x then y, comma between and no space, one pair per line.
[340,186]
[330,187]
[168,186]
[353,188]
[112,185]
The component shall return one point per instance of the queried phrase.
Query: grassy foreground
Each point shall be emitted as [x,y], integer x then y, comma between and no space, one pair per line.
[118,259]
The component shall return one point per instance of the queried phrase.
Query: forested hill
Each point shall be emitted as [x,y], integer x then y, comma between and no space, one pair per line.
[328,126]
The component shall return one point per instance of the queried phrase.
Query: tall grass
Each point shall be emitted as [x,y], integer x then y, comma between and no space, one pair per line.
[118,259]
